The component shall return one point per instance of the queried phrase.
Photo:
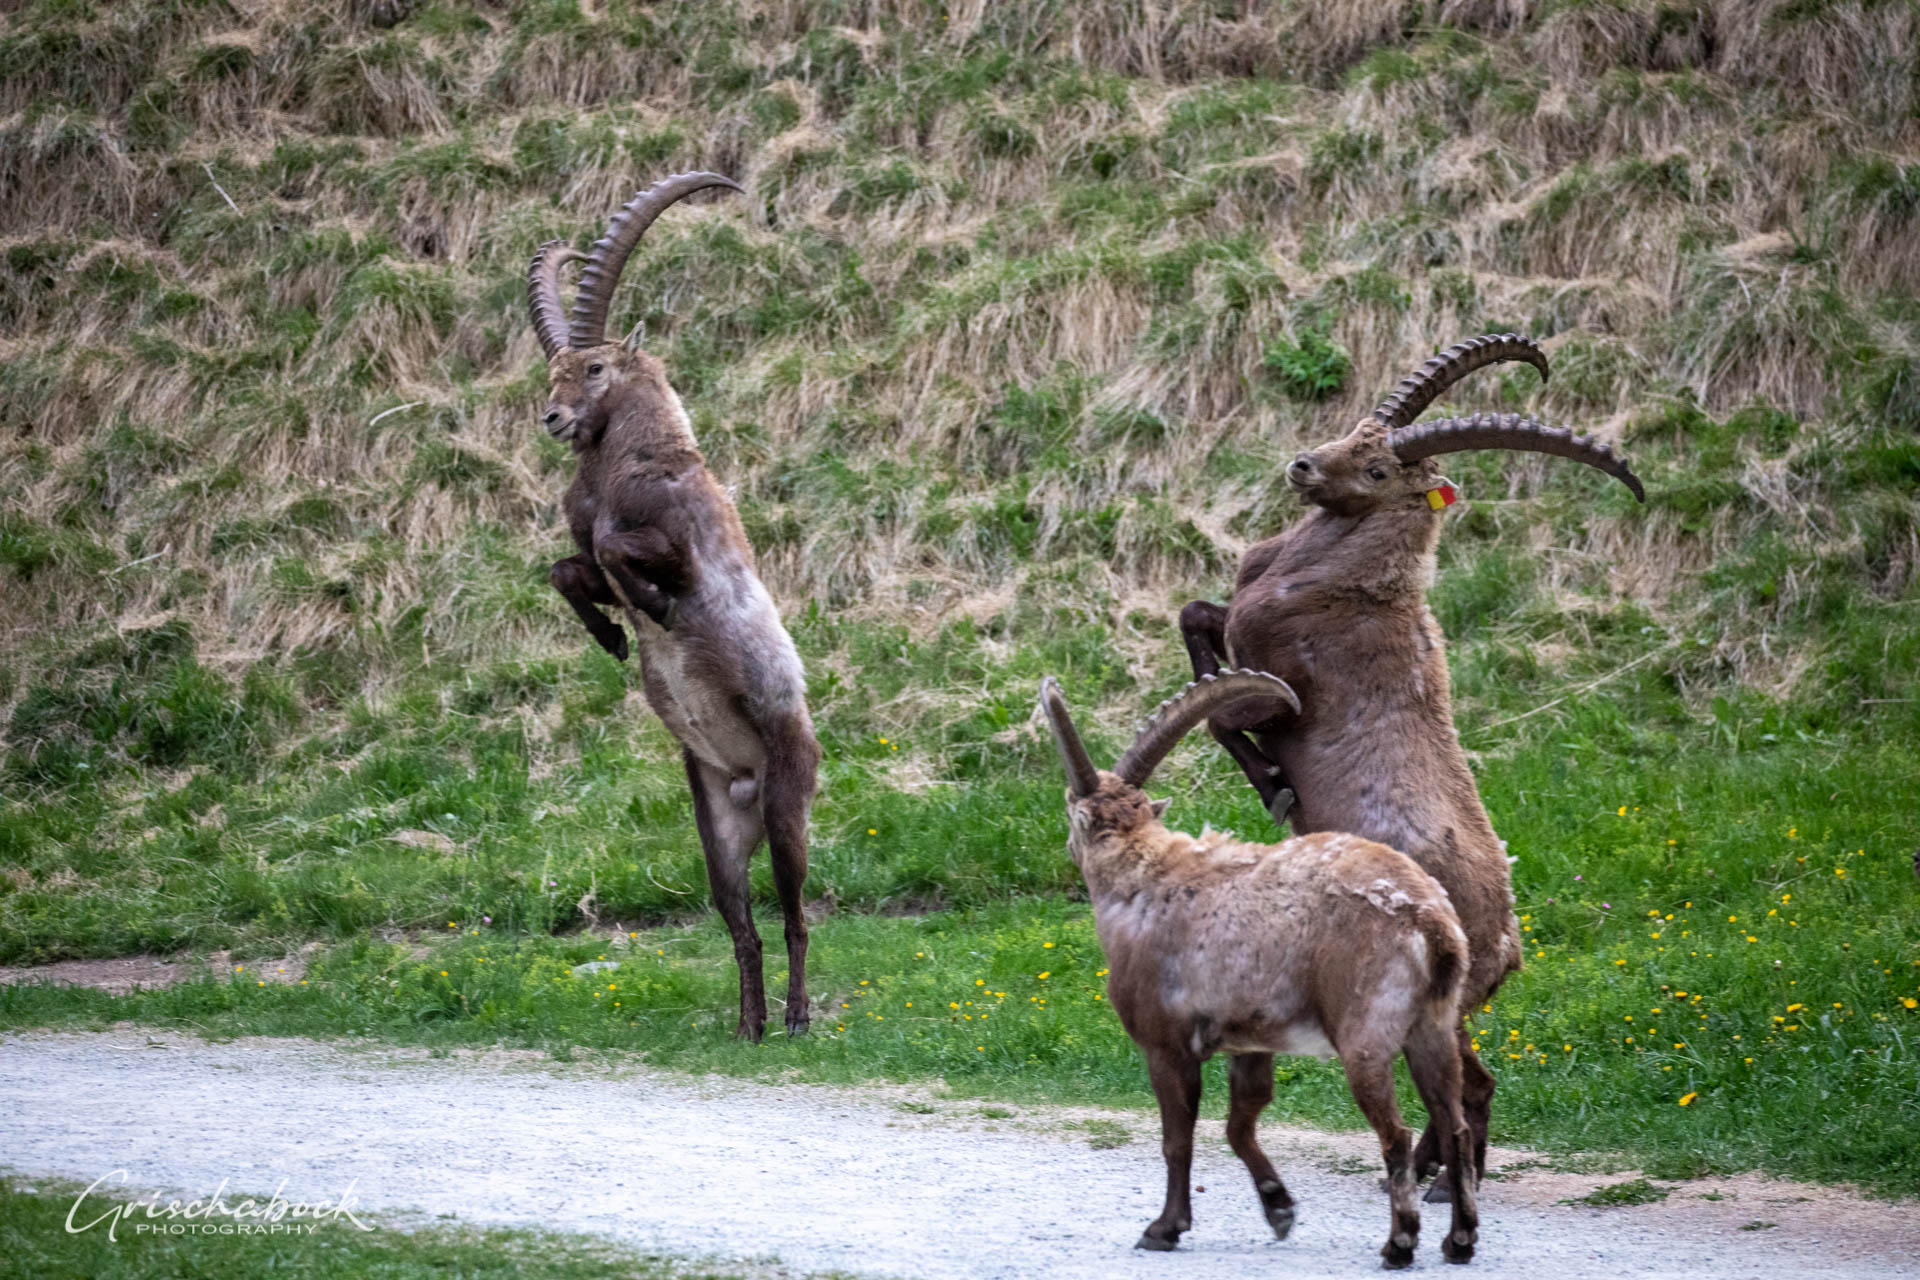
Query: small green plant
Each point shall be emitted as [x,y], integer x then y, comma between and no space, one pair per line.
[917,1108]
[995,1113]
[1103,1135]
[1310,368]
[1620,1194]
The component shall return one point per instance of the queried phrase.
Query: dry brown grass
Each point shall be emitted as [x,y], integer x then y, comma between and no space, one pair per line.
[1594,171]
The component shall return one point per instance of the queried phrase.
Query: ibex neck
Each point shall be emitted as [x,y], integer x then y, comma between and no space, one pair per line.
[648,422]
[1120,866]
[1385,555]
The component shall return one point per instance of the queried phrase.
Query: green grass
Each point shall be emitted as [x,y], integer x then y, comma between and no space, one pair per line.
[1787,1022]
[1619,1194]
[1001,355]
[35,1242]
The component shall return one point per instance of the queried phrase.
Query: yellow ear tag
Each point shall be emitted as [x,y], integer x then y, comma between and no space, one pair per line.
[1444,496]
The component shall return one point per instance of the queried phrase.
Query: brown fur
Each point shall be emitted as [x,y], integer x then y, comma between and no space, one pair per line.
[1323,943]
[659,536]
[1336,607]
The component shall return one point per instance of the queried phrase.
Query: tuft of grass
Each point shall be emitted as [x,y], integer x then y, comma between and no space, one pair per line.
[1621,1194]
[1103,1135]
[1312,367]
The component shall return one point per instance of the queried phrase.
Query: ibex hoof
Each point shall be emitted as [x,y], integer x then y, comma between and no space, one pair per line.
[1441,1192]
[1456,1253]
[1283,801]
[750,1030]
[1395,1258]
[797,1027]
[1155,1244]
[1280,1218]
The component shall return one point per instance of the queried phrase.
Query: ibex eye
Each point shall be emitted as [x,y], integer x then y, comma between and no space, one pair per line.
[595,368]
[1378,473]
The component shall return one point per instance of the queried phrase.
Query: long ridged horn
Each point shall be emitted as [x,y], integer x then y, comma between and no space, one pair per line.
[543,294]
[1081,775]
[609,254]
[1173,719]
[1508,431]
[1423,386]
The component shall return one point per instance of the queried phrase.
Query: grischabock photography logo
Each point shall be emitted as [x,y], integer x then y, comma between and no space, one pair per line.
[212,1214]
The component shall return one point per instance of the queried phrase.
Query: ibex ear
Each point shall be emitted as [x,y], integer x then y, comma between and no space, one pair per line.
[636,335]
[1160,806]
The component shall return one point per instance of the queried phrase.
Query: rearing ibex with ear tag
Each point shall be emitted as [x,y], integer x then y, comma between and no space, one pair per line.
[658,536]
[1337,606]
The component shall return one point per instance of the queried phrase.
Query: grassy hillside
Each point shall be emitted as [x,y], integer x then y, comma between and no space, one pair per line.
[1026,307]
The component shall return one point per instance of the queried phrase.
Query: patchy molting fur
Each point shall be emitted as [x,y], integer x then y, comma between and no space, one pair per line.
[1324,944]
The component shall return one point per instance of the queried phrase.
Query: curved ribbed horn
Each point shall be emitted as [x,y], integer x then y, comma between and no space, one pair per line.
[543,294]
[1173,719]
[1508,431]
[609,253]
[1423,386]
[1081,775]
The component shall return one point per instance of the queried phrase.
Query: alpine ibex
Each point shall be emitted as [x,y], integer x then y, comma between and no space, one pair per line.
[659,537]
[1336,606]
[1323,944]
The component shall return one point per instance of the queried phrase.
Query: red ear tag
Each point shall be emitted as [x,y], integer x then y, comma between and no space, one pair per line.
[1444,496]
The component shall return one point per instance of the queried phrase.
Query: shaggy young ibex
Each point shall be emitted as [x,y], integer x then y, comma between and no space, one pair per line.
[1336,606]
[658,536]
[1323,944]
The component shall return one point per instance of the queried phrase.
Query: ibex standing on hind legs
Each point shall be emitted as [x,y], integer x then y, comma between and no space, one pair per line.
[659,538]
[1336,606]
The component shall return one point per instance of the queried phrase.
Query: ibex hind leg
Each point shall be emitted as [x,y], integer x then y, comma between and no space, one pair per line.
[793,763]
[728,836]
[1370,1078]
[1250,1088]
[1433,1056]
[1476,1102]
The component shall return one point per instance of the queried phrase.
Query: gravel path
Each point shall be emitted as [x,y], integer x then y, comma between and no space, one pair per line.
[830,1179]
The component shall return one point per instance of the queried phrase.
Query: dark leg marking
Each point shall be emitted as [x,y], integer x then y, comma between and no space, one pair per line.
[1250,1089]
[1203,625]
[580,582]
[1176,1084]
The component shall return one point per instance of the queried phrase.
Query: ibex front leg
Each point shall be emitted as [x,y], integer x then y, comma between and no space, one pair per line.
[1176,1085]
[646,569]
[582,585]
[1204,627]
